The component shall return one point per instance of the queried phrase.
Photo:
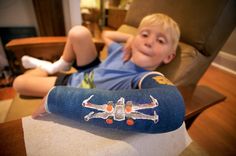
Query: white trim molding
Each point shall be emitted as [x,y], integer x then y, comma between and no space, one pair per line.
[225,61]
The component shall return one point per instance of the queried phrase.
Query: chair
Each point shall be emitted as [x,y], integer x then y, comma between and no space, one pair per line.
[205,26]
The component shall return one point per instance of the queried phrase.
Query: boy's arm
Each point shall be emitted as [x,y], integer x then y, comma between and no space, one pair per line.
[115,36]
[157,107]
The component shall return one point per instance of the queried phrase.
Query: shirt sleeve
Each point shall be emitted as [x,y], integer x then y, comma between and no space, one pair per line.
[114,47]
[155,108]
[154,80]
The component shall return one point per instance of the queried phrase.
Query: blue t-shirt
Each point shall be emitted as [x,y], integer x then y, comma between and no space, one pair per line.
[111,74]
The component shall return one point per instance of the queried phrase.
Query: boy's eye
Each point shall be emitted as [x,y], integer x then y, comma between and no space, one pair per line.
[161,40]
[144,34]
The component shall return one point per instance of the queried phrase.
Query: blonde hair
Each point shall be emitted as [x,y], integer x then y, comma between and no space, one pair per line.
[166,22]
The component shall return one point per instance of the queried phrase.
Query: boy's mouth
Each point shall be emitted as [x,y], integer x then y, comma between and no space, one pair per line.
[145,53]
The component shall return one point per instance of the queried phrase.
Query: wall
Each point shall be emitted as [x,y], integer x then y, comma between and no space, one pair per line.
[72,14]
[226,59]
[15,13]
[230,45]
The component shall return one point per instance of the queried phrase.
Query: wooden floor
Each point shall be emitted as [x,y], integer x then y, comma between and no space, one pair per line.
[215,128]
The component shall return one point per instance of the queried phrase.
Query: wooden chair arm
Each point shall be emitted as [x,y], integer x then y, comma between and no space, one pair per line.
[42,41]
[197,99]
[34,41]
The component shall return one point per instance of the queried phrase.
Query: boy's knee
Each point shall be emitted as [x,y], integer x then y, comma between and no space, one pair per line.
[19,83]
[78,32]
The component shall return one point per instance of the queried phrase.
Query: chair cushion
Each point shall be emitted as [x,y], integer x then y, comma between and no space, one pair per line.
[22,106]
[179,69]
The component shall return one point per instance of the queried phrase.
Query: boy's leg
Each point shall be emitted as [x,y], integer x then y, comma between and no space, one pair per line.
[79,46]
[34,83]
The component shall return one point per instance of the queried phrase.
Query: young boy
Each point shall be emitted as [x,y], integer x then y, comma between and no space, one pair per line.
[115,80]
[154,44]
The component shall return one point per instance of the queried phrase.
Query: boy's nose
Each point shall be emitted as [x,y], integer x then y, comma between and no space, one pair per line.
[149,42]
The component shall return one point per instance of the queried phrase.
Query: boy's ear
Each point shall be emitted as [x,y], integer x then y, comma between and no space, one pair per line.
[169,58]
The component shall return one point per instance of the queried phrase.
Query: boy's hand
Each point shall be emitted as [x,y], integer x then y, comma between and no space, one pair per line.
[128,49]
[40,110]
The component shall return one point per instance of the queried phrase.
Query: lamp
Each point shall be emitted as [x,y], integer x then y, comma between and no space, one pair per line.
[88,4]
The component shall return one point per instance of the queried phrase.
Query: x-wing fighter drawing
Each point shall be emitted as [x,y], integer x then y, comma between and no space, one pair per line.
[121,111]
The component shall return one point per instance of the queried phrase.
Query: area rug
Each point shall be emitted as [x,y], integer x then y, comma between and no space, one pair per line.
[4,108]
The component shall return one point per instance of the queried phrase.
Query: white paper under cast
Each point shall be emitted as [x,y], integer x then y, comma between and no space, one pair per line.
[53,135]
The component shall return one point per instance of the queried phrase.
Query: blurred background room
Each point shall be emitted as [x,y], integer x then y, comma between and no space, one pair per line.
[41,18]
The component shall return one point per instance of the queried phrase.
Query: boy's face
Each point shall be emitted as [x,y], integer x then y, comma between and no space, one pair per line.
[151,47]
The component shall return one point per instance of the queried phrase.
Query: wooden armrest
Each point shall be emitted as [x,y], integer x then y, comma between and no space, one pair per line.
[34,41]
[197,99]
[42,41]
[202,98]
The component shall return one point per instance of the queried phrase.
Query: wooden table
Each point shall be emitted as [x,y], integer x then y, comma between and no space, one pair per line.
[11,133]
[12,139]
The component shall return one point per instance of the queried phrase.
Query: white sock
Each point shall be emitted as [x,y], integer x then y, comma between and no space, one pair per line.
[50,68]
[59,65]
[31,62]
